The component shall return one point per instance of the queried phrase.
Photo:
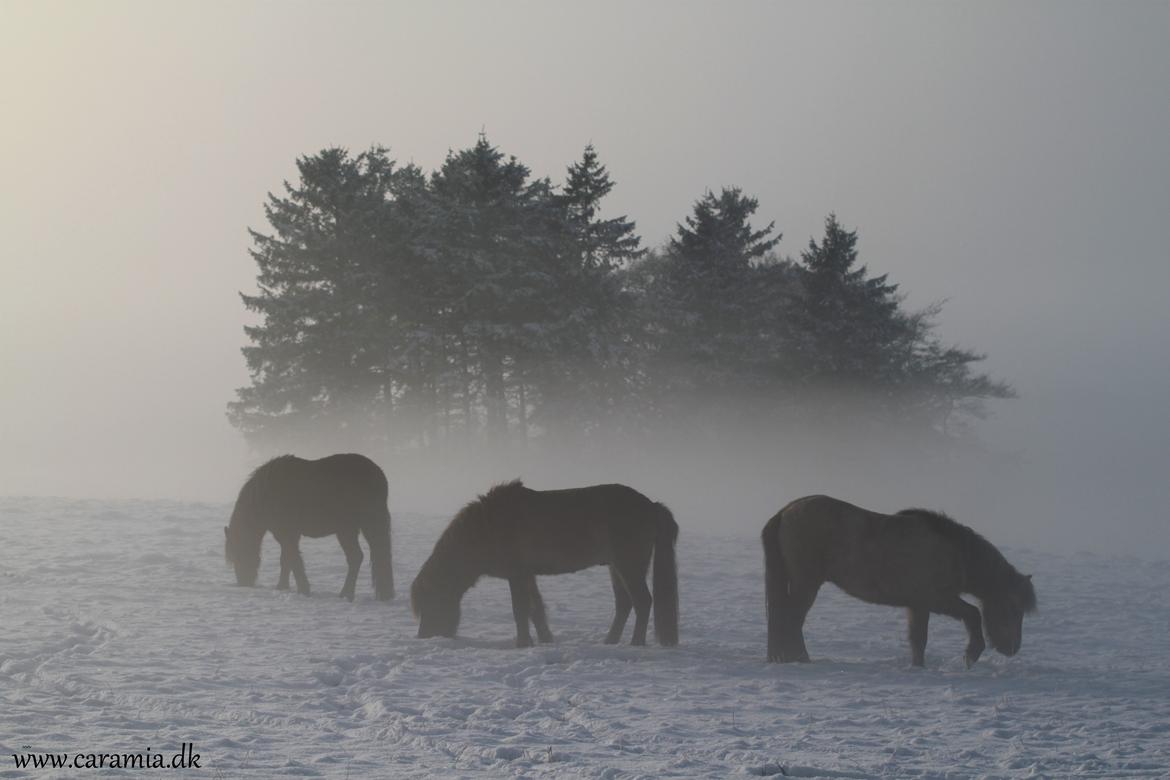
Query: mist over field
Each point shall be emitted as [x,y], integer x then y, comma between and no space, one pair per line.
[1008,161]
[734,484]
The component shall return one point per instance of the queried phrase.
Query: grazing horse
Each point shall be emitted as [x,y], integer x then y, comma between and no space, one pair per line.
[293,497]
[917,559]
[515,533]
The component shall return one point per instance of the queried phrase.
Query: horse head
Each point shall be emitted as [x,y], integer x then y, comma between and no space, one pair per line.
[242,555]
[1003,614]
[436,607]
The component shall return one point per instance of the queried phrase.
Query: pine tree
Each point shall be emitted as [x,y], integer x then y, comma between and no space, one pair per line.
[942,391]
[710,304]
[495,235]
[585,384]
[318,357]
[852,336]
[850,329]
[603,243]
[408,319]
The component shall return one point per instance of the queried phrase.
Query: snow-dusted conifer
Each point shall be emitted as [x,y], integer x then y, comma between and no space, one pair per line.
[318,355]
[712,298]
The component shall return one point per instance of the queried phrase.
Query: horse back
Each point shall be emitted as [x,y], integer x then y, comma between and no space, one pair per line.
[898,560]
[559,531]
[316,497]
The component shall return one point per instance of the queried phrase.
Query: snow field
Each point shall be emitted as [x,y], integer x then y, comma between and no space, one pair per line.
[123,629]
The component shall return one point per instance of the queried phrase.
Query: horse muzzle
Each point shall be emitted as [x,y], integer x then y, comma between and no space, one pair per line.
[1009,648]
[430,633]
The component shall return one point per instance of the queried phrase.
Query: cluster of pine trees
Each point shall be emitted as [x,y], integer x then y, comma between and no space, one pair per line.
[481,305]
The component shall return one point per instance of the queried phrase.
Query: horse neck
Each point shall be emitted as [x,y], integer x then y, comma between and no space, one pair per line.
[247,530]
[987,569]
[446,567]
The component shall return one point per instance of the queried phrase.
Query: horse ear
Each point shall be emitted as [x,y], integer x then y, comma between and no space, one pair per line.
[226,533]
[1028,577]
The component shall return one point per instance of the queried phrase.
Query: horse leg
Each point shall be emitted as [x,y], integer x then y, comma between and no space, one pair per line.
[919,618]
[539,619]
[957,608]
[285,570]
[520,602]
[633,574]
[290,555]
[353,556]
[800,601]
[621,609]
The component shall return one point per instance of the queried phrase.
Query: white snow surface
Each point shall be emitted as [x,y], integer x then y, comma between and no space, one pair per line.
[122,629]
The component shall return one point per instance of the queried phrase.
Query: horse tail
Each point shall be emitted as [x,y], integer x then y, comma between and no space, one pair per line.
[381,559]
[665,579]
[775,584]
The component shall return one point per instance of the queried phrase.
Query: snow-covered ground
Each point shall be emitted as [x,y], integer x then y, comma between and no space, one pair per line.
[121,629]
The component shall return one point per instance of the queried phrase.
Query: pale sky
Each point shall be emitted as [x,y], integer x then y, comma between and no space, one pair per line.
[1011,158]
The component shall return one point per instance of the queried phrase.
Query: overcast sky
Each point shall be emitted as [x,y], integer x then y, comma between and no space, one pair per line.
[1011,158]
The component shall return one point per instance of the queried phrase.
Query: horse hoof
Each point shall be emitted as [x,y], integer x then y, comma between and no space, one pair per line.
[523,642]
[546,640]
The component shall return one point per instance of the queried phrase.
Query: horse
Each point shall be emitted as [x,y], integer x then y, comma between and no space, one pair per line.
[293,497]
[515,533]
[918,559]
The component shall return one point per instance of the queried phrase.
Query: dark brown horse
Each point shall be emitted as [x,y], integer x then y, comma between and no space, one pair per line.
[917,559]
[293,497]
[516,533]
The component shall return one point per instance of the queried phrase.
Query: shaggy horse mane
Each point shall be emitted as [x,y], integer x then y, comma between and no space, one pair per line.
[254,485]
[453,542]
[498,491]
[481,505]
[943,524]
[987,563]
[269,465]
